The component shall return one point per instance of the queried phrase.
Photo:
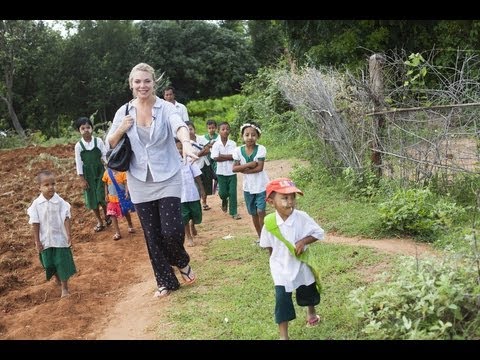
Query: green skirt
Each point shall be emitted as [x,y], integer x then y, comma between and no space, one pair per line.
[58,261]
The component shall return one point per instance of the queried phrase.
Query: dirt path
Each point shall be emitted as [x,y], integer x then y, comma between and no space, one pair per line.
[137,314]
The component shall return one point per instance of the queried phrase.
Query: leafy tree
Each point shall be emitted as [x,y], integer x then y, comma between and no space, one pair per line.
[268,41]
[238,26]
[21,46]
[348,42]
[201,59]
[95,67]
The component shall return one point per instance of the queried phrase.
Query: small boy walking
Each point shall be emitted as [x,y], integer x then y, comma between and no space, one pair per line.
[222,151]
[190,198]
[296,230]
[51,228]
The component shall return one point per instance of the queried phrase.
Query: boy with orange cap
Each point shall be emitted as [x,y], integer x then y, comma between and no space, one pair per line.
[286,234]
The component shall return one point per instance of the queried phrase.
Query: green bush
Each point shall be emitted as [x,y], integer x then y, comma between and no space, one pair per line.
[224,109]
[360,184]
[462,188]
[422,299]
[417,212]
[12,141]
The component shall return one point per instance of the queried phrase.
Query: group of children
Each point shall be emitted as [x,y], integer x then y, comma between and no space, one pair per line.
[219,161]
[218,152]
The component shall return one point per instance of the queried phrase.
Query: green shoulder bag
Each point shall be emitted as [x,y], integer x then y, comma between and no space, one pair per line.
[306,256]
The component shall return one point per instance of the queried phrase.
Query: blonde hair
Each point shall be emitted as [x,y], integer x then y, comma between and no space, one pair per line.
[147,68]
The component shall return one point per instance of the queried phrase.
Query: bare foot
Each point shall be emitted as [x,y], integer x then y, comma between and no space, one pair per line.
[190,243]
[194,230]
[65,294]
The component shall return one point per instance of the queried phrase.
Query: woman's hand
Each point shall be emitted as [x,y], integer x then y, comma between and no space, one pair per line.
[126,124]
[188,151]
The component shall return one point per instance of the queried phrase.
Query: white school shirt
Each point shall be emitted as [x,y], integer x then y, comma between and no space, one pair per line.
[182,110]
[257,182]
[88,146]
[189,190]
[223,167]
[286,269]
[51,215]
[202,160]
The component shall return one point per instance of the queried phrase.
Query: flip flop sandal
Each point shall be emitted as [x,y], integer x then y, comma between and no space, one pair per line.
[187,276]
[161,292]
[98,228]
[313,321]
[131,230]
[117,236]
[108,221]
[206,207]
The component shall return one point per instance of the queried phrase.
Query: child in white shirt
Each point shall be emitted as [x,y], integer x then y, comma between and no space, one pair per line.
[288,272]
[222,151]
[51,228]
[190,198]
[249,159]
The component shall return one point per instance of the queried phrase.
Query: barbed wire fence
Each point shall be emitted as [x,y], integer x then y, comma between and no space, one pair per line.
[409,131]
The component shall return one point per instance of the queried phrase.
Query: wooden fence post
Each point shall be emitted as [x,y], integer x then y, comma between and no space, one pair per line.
[375,65]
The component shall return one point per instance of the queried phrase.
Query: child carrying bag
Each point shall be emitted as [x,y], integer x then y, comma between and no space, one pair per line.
[121,154]
[270,223]
[126,205]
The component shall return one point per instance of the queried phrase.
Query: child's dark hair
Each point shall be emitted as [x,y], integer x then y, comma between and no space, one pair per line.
[224,123]
[82,121]
[252,125]
[211,122]
[43,173]
[190,123]
[169,88]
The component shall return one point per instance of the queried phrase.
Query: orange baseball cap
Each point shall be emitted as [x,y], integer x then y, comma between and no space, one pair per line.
[282,186]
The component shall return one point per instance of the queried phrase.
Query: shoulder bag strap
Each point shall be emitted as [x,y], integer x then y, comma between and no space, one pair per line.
[114,181]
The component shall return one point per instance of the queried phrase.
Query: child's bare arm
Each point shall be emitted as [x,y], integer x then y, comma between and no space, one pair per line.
[106,193]
[254,167]
[206,150]
[300,245]
[223,157]
[198,180]
[127,194]
[245,168]
[68,229]
[36,237]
